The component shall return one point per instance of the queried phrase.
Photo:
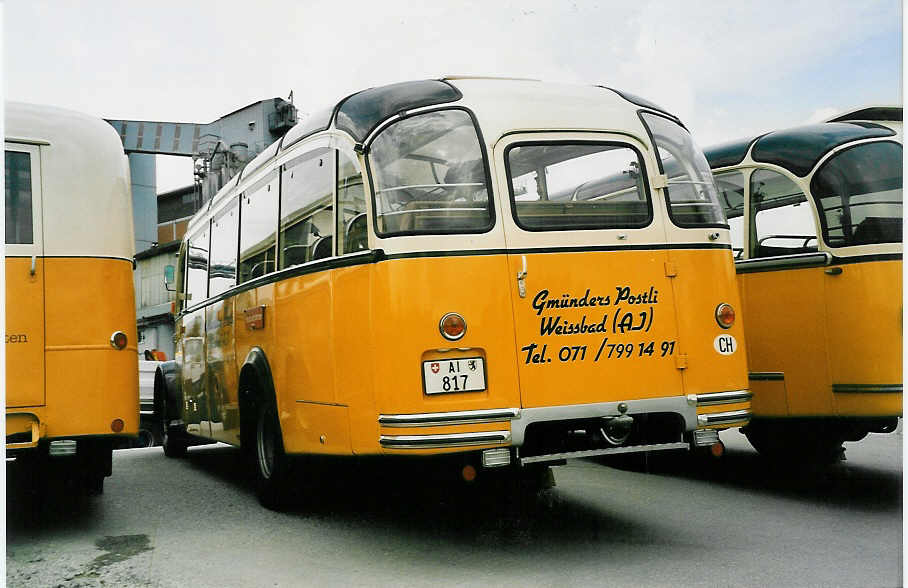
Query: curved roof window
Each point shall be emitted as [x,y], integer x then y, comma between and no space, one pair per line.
[799,149]
[362,112]
[315,122]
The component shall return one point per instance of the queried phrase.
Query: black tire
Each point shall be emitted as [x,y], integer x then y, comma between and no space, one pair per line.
[172,439]
[795,445]
[93,484]
[271,464]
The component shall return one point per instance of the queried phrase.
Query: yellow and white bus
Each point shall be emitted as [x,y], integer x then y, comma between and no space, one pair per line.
[512,272]
[816,222]
[71,358]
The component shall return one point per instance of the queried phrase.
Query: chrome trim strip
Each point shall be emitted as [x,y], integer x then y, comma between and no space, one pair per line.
[867,388]
[722,418]
[441,441]
[675,404]
[763,376]
[716,398]
[781,262]
[461,417]
[608,451]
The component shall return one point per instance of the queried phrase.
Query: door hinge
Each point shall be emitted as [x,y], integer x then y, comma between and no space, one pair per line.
[659,181]
[681,361]
[670,269]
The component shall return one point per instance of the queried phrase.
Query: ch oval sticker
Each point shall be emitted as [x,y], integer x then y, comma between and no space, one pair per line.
[725,344]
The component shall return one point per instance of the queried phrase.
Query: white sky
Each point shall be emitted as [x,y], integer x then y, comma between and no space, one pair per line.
[727,69]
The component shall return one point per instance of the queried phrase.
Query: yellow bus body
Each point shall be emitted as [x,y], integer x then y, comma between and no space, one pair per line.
[832,355]
[69,289]
[820,279]
[572,330]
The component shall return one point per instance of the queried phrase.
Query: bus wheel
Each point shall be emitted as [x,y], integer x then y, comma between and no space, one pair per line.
[174,446]
[271,464]
[171,439]
[796,445]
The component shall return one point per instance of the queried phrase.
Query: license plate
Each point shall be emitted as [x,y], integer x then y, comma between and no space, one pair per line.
[465,374]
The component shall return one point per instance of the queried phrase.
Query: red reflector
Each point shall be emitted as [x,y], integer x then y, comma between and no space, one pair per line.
[469,473]
[117,425]
[452,326]
[717,449]
[118,340]
[725,315]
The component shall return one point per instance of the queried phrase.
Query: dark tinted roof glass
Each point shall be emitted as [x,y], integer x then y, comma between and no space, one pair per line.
[317,121]
[725,154]
[360,113]
[634,99]
[874,113]
[800,148]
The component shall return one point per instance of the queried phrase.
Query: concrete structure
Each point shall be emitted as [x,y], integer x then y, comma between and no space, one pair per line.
[219,150]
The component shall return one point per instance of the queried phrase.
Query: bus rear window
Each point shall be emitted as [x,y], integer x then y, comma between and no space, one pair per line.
[430,177]
[571,186]
[859,195]
[692,197]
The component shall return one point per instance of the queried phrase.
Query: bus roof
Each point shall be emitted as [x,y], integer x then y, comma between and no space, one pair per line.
[502,105]
[84,180]
[797,149]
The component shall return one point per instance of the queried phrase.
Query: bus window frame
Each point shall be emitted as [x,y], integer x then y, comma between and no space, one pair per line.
[820,217]
[658,158]
[367,163]
[269,175]
[641,160]
[36,247]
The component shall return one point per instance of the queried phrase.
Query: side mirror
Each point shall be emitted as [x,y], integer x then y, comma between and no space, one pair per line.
[169,278]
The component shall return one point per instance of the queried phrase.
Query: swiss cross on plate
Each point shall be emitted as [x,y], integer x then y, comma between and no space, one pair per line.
[435,367]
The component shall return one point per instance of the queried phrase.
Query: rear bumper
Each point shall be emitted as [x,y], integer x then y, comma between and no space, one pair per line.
[687,408]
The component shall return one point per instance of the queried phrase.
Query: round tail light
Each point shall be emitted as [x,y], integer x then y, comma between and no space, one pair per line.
[118,340]
[725,315]
[452,326]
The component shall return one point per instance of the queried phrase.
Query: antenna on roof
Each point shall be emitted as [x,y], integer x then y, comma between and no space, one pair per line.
[290,97]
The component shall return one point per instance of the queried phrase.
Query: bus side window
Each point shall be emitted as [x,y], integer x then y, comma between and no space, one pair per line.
[307,212]
[197,268]
[782,220]
[222,271]
[351,230]
[258,229]
[18,198]
[731,197]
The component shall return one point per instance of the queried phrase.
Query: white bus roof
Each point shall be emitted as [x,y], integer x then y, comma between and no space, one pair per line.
[86,201]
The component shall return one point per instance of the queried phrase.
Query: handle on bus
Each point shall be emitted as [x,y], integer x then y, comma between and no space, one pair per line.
[521,278]
[31,272]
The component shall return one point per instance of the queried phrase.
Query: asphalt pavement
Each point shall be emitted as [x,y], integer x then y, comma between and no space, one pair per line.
[739,521]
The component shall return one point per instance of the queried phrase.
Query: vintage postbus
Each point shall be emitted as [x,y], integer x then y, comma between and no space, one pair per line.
[71,359]
[510,272]
[816,223]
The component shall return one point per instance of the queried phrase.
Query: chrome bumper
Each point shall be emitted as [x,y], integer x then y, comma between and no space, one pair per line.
[716,398]
[724,418]
[447,440]
[521,418]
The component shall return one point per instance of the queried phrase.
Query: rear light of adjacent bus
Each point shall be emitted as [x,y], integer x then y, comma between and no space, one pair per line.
[452,326]
[118,340]
[725,315]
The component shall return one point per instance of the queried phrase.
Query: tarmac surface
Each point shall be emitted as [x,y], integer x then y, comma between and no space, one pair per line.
[676,522]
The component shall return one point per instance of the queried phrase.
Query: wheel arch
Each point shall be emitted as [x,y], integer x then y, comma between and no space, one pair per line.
[256,383]
[168,392]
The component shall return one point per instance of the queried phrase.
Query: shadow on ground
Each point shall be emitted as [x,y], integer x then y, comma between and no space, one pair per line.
[847,483]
